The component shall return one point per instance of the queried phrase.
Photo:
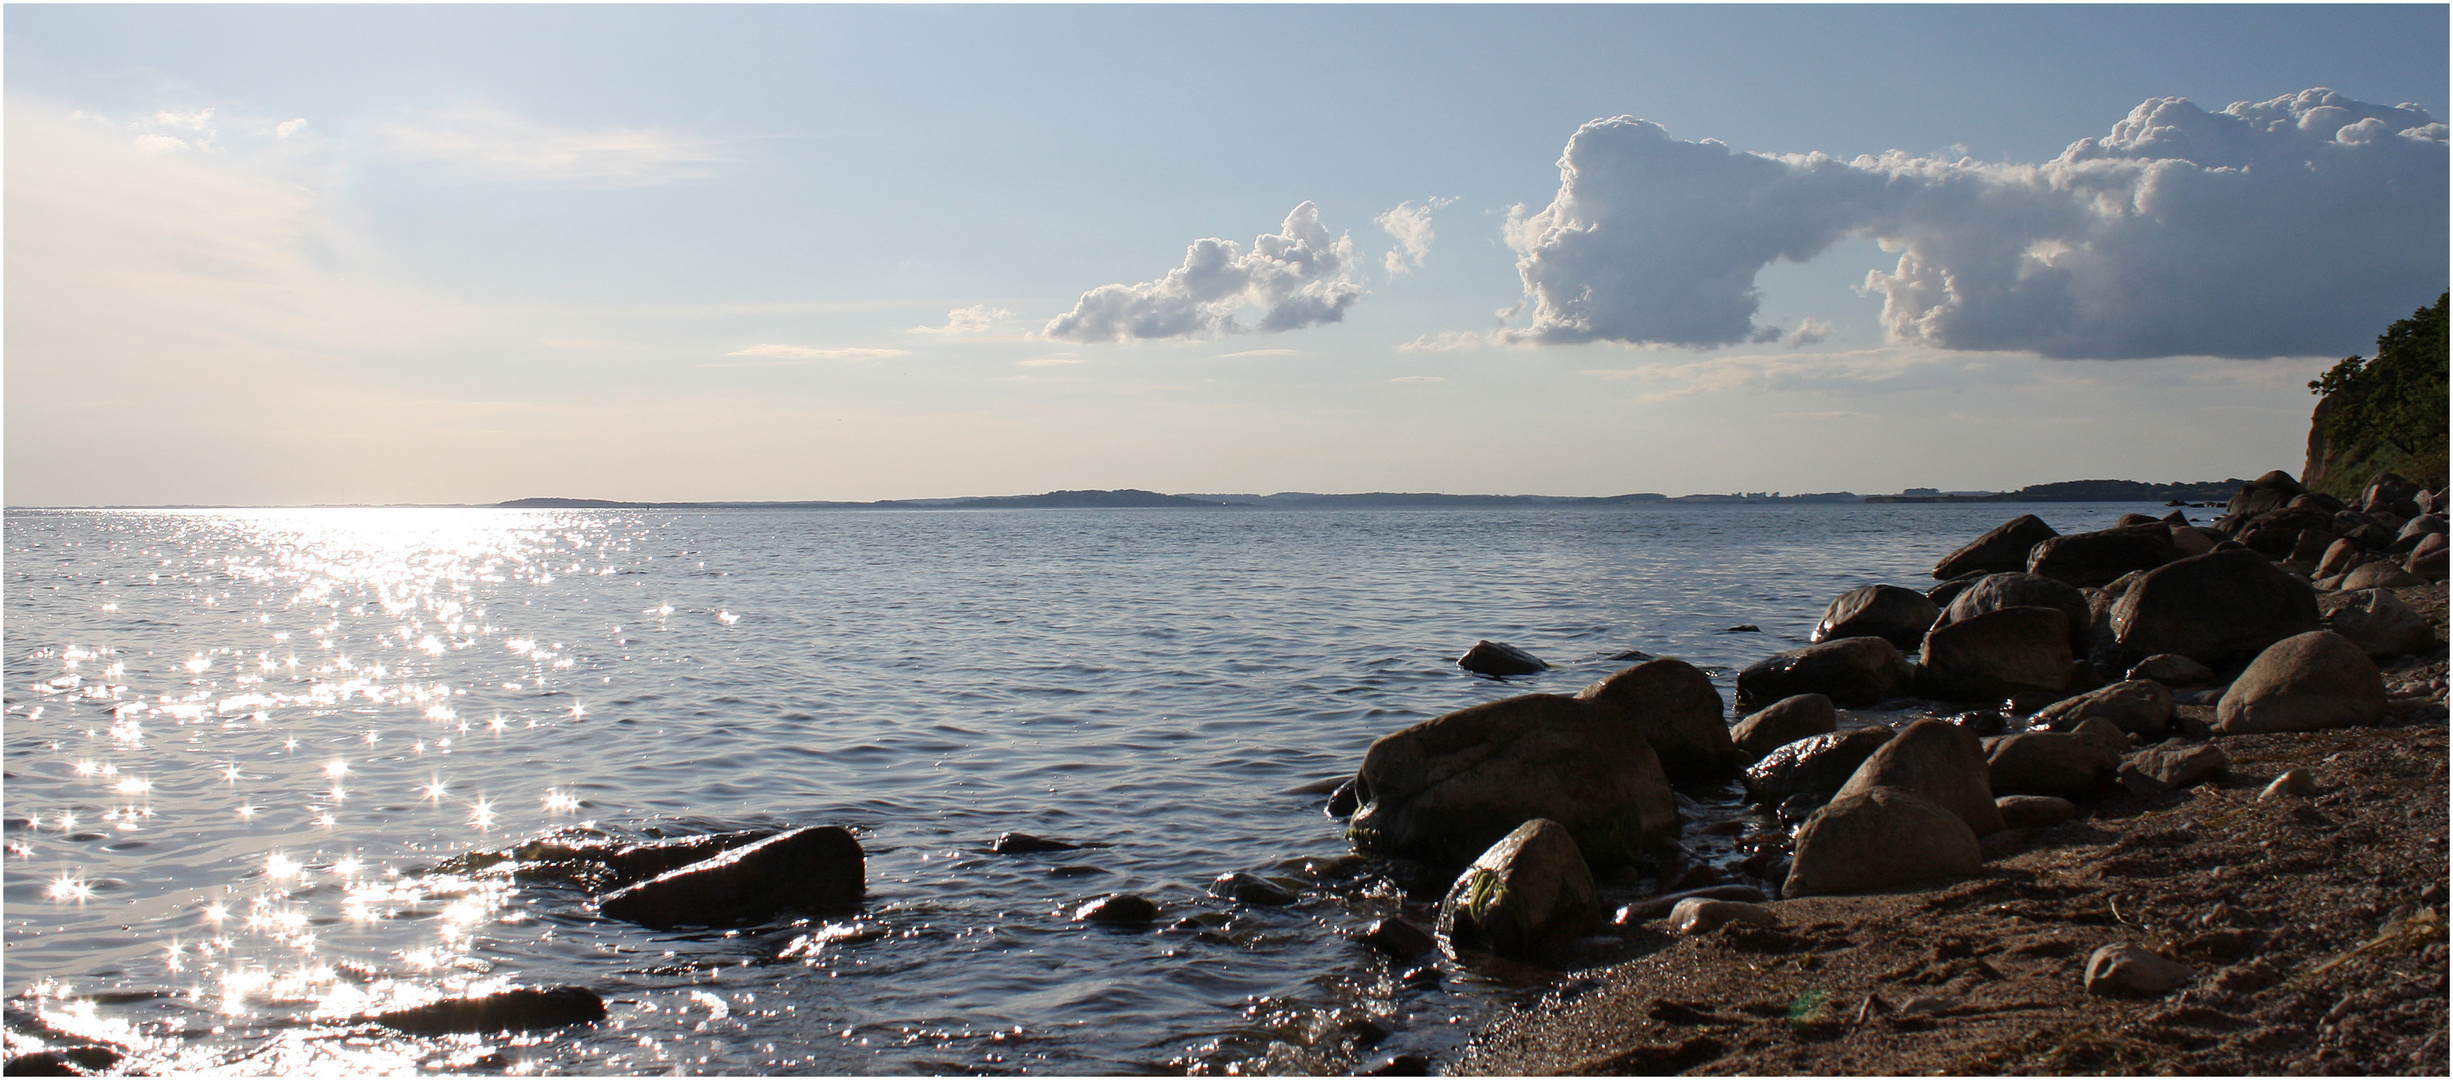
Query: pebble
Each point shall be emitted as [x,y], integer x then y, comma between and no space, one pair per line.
[2128,969]
[2293,782]
[1696,915]
[1648,910]
[1926,1003]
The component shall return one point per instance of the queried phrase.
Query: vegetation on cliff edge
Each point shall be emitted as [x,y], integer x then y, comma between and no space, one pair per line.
[2385,413]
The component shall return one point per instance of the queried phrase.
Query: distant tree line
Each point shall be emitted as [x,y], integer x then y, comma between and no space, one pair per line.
[2384,413]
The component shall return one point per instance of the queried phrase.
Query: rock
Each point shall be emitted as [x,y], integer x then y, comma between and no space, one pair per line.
[2034,811]
[1795,809]
[1022,843]
[2154,771]
[2339,558]
[1936,761]
[2096,558]
[2130,970]
[1399,939]
[2139,706]
[2382,574]
[1998,591]
[524,1009]
[2128,520]
[2004,548]
[1899,616]
[1398,1065]
[816,869]
[1877,838]
[1696,915]
[2311,547]
[1674,705]
[92,1059]
[2267,493]
[1343,801]
[1121,909]
[1812,767]
[1500,659]
[1656,907]
[1446,789]
[1528,895]
[1945,592]
[2427,564]
[1852,672]
[2310,681]
[2419,527]
[2214,608]
[1250,889]
[1997,654]
[2293,782]
[2383,626]
[2391,493]
[2051,763]
[2192,540]
[1785,721]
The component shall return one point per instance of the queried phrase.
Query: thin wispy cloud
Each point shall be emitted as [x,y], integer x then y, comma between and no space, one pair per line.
[804,353]
[480,142]
[977,319]
[1296,277]
[1411,226]
[1446,341]
[1256,352]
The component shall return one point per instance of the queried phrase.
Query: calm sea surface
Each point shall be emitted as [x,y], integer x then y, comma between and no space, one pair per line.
[240,743]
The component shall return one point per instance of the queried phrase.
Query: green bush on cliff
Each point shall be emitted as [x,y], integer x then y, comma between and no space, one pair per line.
[2386,413]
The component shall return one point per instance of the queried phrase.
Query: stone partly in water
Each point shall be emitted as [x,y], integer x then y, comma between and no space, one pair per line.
[2141,707]
[1446,789]
[2094,559]
[1813,766]
[1879,838]
[1017,843]
[1122,909]
[2310,681]
[1530,894]
[1852,672]
[1997,591]
[1899,616]
[1396,938]
[2157,770]
[1250,890]
[1786,721]
[1998,654]
[2214,608]
[2129,970]
[1501,659]
[1938,761]
[525,1009]
[1674,705]
[2383,626]
[2004,548]
[811,869]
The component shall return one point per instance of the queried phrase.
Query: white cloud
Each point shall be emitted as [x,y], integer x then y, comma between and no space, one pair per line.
[1446,341]
[1411,225]
[2295,226]
[1297,277]
[803,352]
[1809,332]
[480,142]
[970,320]
[1257,352]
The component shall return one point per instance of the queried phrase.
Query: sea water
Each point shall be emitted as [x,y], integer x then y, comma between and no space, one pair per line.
[243,748]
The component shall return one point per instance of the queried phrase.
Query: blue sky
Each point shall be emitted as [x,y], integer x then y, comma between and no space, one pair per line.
[295,254]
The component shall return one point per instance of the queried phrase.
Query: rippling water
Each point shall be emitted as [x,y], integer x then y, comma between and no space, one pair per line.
[239,743]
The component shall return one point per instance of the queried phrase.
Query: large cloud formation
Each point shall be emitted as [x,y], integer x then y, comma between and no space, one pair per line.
[2288,227]
[1298,276]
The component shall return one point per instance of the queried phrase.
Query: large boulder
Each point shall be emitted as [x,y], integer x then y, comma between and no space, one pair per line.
[2052,763]
[2391,493]
[1527,895]
[1899,616]
[1997,654]
[1446,789]
[2141,707]
[1939,761]
[1879,838]
[1676,708]
[2315,680]
[2093,559]
[811,869]
[1947,591]
[2213,608]
[1786,721]
[1818,765]
[1997,591]
[1852,672]
[2270,492]
[2383,626]
[2004,548]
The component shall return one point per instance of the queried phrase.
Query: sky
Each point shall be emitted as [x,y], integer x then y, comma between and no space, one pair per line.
[279,255]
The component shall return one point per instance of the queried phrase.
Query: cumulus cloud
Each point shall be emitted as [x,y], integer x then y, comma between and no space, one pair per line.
[803,352]
[2294,226]
[1298,276]
[1809,332]
[1411,226]
[970,320]
[475,141]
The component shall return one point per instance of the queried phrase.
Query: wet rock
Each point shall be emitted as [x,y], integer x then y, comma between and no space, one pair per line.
[2141,707]
[2034,811]
[1446,789]
[1696,915]
[814,869]
[2173,669]
[1501,659]
[2004,548]
[1877,838]
[1250,889]
[1019,843]
[2051,763]
[525,1009]
[1997,654]
[2382,574]
[1660,906]
[2310,681]
[2214,608]
[1852,672]
[2096,558]
[1899,616]
[2383,626]
[1121,909]
[2293,783]
[1815,766]
[1741,628]
[1783,722]
[1797,808]
[1997,591]
[1343,801]
[1936,761]
[2154,771]
[1398,1065]
[2129,970]
[1530,894]
[1397,938]
[65,1061]
[1676,708]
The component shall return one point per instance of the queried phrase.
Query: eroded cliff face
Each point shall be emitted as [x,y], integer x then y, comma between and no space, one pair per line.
[2313,472]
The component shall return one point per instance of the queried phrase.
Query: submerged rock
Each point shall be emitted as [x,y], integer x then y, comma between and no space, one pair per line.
[1529,894]
[1250,889]
[1121,909]
[818,868]
[1501,659]
[508,1010]
[1676,708]
[1018,843]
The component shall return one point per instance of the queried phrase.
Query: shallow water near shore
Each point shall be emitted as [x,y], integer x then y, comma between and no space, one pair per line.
[238,743]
